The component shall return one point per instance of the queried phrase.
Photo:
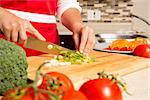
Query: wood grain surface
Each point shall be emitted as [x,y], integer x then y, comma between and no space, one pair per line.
[109,62]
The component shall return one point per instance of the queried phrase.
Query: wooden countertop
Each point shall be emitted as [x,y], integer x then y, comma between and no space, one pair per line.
[110,62]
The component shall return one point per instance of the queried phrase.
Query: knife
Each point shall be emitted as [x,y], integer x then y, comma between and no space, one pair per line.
[42,46]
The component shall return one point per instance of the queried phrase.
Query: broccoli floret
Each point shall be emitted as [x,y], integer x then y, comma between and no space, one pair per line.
[13,66]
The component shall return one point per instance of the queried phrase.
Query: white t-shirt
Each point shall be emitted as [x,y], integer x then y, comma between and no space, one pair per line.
[63,5]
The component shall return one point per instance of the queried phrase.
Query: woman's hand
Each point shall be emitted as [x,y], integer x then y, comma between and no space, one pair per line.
[84,38]
[14,27]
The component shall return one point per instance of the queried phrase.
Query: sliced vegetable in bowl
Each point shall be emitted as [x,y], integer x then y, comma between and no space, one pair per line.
[125,45]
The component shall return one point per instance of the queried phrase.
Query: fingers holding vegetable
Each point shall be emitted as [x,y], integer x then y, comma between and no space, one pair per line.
[76,38]
[90,41]
[85,39]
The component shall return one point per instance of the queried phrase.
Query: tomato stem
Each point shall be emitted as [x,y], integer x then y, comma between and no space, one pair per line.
[35,83]
[115,79]
[53,96]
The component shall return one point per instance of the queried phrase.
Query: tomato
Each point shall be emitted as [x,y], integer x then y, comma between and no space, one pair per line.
[124,49]
[27,93]
[115,48]
[75,95]
[142,51]
[101,89]
[57,83]
[9,95]
[109,48]
[129,49]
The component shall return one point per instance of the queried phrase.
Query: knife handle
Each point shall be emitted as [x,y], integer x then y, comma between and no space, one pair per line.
[18,41]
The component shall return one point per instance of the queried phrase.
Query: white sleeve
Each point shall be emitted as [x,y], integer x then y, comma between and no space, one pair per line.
[63,5]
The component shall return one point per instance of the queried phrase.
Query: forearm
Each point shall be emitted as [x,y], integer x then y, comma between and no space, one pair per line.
[72,19]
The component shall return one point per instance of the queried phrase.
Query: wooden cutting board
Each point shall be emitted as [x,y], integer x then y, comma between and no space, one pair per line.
[109,62]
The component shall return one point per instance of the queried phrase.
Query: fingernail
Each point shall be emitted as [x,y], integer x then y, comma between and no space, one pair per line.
[84,54]
[81,51]
[43,39]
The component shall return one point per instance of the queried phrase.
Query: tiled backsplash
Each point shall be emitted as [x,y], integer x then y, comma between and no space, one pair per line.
[107,11]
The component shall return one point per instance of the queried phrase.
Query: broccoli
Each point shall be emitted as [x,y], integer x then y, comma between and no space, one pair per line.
[13,66]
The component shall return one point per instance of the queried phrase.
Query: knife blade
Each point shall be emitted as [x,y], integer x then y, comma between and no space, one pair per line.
[42,46]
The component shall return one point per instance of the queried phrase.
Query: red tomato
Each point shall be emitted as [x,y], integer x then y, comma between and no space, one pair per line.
[129,49]
[57,83]
[115,48]
[75,95]
[124,49]
[109,48]
[101,89]
[25,94]
[142,50]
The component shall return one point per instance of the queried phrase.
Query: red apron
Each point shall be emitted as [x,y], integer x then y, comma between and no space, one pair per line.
[41,14]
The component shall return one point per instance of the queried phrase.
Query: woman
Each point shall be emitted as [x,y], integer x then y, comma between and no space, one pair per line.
[37,18]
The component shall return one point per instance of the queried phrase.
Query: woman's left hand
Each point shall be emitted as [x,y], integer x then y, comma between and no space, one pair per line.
[84,38]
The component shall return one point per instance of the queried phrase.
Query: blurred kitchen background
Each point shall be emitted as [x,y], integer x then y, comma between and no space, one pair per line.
[111,17]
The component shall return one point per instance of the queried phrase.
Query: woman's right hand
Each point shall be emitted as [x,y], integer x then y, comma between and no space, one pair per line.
[14,27]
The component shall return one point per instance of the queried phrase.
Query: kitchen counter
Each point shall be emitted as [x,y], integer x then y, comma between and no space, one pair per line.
[138,85]
[135,70]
